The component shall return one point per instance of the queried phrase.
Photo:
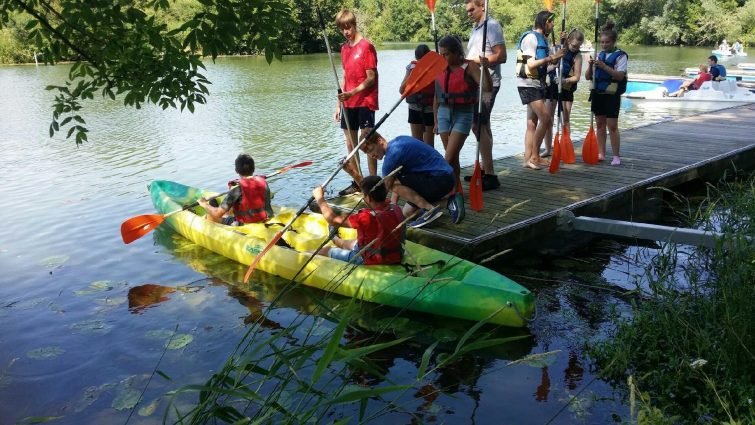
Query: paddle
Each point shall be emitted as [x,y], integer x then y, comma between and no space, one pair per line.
[556,159]
[590,144]
[136,227]
[567,147]
[357,163]
[424,73]
[475,184]
[431,5]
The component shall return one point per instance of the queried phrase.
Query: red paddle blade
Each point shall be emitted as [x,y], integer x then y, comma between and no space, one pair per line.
[567,148]
[136,227]
[424,73]
[556,159]
[590,148]
[430,5]
[259,256]
[475,188]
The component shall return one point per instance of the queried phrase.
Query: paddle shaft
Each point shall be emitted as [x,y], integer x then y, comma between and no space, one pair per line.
[338,84]
[435,31]
[482,74]
[595,50]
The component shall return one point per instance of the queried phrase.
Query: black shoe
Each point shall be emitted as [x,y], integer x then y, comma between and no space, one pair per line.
[353,188]
[490,182]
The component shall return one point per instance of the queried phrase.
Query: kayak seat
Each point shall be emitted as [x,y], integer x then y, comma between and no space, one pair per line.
[672,84]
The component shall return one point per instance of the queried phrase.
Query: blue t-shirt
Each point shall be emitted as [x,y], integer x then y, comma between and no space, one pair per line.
[415,156]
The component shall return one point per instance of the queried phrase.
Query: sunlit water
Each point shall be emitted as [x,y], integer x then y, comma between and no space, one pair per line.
[70,347]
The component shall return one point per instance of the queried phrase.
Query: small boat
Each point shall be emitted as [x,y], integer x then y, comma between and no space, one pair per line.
[732,75]
[429,281]
[710,96]
[727,54]
[747,66]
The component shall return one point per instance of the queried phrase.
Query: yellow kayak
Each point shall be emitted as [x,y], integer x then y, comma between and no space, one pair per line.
[429,281]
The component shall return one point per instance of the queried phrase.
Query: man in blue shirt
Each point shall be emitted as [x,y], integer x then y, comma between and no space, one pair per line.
[717,71]
[416,173]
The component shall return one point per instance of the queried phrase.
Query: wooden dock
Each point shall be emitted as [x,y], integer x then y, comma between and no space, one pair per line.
[526,206]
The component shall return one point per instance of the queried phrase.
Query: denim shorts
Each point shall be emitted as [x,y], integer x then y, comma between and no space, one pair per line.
[347,255]
[455,118]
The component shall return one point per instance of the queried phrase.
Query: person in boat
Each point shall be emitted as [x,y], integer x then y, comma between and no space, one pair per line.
[456,96]
[571,69]
[737,47]
[248,200]
[531,70]
[717,71]
[492,58]
[359,93]
[380,228]
[694,84]
[610,83]
[421,118]
[416,173]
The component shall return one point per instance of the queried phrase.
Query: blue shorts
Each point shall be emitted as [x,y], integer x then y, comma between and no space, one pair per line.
[347,255]
[457,118]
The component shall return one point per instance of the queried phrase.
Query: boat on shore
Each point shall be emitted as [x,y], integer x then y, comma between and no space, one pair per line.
[429,281]
[711,95]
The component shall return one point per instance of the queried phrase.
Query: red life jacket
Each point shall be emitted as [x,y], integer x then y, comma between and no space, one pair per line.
[424,96]
[388,248]
[455,89]
[254,205]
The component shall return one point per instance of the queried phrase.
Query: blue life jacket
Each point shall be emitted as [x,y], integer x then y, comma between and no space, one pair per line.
[604,83]
[522,70]
[566,69]
[721,70]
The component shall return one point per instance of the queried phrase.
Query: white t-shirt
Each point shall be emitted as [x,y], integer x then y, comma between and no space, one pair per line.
[494,38]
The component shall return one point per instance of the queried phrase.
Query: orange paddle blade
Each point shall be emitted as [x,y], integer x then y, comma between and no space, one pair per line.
[556,158]
[259,256]
[590,148]
[567,147]
[136,227]
[430,5]
[475,188]
[424,73]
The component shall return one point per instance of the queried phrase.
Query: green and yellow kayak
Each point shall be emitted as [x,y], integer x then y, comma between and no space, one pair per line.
[429,281]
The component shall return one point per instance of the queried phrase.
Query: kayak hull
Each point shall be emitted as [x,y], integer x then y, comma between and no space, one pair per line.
[435,282]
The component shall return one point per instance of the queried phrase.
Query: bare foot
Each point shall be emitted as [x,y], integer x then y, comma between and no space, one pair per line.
[532,165]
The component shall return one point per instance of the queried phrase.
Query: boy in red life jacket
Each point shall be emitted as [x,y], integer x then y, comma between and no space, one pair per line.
[376,223]
[249,197]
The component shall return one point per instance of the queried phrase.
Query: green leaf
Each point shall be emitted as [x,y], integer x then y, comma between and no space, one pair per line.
[39,419]
[422,369]
[350,396]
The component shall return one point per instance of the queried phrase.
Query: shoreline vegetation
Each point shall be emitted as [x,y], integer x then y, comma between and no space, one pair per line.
[653,22]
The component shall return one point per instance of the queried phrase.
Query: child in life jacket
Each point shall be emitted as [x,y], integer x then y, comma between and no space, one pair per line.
[248,198]
[376,227]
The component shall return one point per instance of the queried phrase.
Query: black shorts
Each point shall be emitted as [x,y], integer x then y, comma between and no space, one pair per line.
[485,117]
[432,188]
[418,117]
[607,105]
[531,94]
[551,93]
[361,117]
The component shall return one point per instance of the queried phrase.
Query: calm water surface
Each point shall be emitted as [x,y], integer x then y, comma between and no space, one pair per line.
[70,346]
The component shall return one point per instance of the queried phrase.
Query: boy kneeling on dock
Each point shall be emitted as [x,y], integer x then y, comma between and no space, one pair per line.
[380,227]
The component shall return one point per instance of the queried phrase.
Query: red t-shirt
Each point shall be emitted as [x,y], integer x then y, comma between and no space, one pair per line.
[356,60]
[703,77]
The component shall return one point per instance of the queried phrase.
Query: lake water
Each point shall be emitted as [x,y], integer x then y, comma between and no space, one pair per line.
[70,346]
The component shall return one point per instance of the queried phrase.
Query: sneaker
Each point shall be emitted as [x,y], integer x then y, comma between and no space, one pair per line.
[456,208]
[490,182]
[426,217]
[351,189]
[616,161]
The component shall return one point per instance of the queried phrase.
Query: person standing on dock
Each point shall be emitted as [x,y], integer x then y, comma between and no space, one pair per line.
[359,93]
[717,70]
[420,105]
[610,83]
[531,69]
[492,58]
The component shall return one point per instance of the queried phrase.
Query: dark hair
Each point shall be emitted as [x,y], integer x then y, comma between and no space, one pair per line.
[420,51]
[374,187]
[713,58]
[244,165]
[452,43]
[542,17]
[608,31]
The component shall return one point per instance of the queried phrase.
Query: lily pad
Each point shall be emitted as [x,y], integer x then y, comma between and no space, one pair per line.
[179,341]
[111,301]
[150,408]
[53,262]
[92,326]
[95,287]
[90,395]
[44,353]
[126,398]
[159,334]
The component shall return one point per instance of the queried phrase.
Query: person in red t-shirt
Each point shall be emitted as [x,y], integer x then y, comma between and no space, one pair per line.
[695,84]
[380,227]
[359,94]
